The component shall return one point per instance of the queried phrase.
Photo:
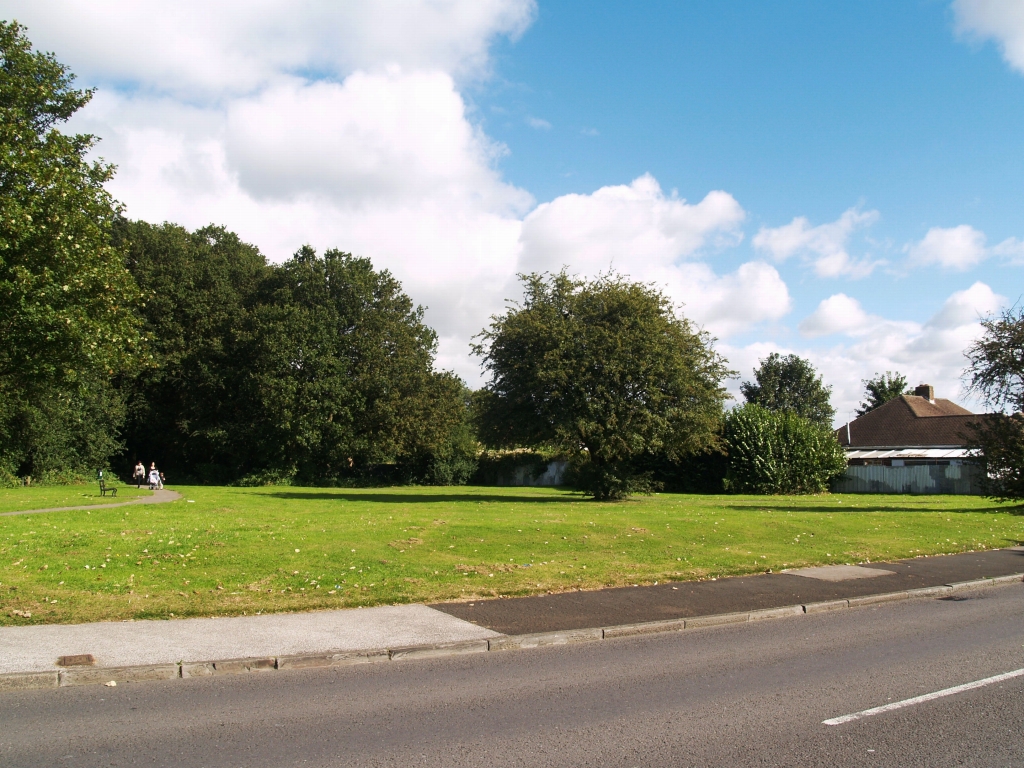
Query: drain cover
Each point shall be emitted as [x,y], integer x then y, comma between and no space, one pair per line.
[77,660]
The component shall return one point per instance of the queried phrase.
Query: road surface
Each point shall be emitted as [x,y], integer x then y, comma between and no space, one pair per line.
[741,695]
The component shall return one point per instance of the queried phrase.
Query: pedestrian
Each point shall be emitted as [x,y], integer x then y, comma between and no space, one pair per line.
[140,473]
[154,477]
[161,481]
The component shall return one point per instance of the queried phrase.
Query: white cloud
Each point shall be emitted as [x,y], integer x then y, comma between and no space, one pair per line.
[1011,249]
[929,352]
[539,123]
[639,231]
[199,49]
[824,246]
[957,248]
[999,20]
[625,225]
[836,314]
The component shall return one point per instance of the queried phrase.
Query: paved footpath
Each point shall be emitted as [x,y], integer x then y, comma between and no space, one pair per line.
[675,600]
[368,634]
[161,496]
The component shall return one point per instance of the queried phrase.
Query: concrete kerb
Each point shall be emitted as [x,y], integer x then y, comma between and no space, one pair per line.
[95,675]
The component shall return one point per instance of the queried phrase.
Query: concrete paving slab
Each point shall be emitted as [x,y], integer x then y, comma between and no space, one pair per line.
[839,572]
[122,644]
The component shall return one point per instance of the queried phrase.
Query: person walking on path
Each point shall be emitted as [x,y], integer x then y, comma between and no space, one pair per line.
[140,474]
[154,477]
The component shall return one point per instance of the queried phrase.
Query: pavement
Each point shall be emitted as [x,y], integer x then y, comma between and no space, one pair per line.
[675,600]
[404,631]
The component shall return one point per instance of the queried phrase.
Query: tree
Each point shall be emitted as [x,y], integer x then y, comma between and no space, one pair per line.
[66,301]
[198,288]
[995,373]
[780,452]
[881,389]
[790,384]
[605,371]
[340,376]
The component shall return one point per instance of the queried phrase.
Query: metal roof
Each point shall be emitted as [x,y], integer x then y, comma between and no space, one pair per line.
[909,453]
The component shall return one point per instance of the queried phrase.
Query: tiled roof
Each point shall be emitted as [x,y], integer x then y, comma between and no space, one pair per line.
[910,420]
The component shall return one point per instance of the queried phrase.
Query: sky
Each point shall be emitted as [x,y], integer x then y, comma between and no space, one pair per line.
[840,180]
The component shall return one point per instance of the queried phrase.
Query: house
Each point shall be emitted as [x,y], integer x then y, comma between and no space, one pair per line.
[912,444]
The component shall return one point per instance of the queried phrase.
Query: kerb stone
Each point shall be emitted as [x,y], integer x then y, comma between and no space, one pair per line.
[136,674]
[776,613]
[645,628]
[436,651]
[827,605]
[541,639]
[23,681]
[713,621]
[340,659]
[887,597]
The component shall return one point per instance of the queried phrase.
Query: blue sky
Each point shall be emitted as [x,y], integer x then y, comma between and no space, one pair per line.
[840,180]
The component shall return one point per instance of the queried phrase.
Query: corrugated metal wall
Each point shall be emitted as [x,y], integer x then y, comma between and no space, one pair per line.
[953,479]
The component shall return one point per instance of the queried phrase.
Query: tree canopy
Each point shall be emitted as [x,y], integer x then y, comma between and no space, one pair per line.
[317,370]
[605,371]
[66,300]
[881,389]
[995,374]
[790,384]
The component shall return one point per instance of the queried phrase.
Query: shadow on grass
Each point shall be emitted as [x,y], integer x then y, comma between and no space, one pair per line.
[420,498]
[1017,509]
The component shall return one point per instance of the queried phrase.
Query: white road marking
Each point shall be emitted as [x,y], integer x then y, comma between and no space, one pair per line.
[924,698]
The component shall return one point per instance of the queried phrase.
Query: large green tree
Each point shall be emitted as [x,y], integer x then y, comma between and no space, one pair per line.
[66,300]
[341,376]
[881,389]
[183,409]
[790,384]
[995,374]
[605,371]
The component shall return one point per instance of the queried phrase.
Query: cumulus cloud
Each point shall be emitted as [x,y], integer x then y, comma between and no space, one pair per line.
[998,20]
[1012,249]
[929,352]
[836,314]
[539,123]
[957,248]
[823,246]
[625,224]
[638,230]
[344,125]
[197,49]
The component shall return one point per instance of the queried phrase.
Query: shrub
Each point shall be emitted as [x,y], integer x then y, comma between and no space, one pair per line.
[779,452]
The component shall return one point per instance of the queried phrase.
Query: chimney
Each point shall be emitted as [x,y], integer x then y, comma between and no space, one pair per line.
[926,391]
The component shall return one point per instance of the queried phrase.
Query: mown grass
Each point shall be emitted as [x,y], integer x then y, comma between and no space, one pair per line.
[49,496]
[230,551]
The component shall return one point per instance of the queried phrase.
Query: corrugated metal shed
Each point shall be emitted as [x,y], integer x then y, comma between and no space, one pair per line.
[952,479]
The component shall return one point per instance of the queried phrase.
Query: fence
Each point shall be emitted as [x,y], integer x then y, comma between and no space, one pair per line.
[960,479]
[552,475]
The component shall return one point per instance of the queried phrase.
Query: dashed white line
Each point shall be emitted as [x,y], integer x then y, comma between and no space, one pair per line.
[924,698]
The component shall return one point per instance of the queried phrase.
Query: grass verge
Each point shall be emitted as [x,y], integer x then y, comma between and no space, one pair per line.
[231,551]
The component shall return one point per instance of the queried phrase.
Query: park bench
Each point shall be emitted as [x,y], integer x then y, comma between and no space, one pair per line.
[105,489]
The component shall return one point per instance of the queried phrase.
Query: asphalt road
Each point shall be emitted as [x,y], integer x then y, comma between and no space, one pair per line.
[741,695]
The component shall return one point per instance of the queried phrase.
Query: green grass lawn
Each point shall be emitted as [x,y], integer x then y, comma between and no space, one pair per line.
[46,497]
[229,551]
